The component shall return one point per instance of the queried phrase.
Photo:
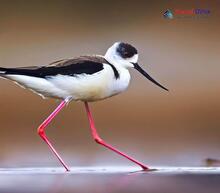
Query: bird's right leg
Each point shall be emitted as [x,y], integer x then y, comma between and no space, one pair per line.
[41,130]
[103,143]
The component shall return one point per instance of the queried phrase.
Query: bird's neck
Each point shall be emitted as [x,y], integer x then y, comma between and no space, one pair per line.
[115,61]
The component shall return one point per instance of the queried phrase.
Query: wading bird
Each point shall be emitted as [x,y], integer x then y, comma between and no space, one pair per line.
[84,78]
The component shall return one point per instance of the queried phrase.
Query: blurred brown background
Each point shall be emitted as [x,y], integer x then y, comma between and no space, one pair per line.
[181,127]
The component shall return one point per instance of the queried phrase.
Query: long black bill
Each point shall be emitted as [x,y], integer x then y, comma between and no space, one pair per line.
[138,68]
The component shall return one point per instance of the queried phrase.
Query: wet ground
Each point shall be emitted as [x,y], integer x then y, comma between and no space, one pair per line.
[110,179]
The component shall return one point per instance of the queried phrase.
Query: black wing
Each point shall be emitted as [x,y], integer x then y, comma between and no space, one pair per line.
[71,67]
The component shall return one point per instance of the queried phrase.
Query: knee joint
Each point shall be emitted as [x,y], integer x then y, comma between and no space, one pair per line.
[98,140]
[40,131]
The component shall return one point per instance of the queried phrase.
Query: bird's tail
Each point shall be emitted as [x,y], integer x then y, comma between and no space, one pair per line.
[8,71]
[3,71]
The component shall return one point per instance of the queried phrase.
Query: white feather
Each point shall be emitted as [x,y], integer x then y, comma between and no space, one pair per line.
[39,85]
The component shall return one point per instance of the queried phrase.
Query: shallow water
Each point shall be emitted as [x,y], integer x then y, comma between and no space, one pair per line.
[110,179]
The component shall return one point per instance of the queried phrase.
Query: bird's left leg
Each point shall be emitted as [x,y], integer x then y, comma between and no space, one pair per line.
[102,142]
[43,125]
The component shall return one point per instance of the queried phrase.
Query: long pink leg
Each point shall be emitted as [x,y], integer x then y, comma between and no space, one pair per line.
[101,142]
[43,125]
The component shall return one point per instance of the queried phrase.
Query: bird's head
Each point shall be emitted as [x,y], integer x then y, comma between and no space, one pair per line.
[126,56]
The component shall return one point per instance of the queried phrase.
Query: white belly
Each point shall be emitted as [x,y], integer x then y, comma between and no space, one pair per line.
[93,87]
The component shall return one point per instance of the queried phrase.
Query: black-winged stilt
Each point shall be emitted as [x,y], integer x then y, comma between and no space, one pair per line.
[85,78]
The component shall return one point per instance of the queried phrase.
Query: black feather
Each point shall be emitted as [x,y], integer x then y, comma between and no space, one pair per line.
[72,67]
[126,50]
[87,67]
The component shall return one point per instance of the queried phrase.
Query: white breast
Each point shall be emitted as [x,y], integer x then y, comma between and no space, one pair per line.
[121,84]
